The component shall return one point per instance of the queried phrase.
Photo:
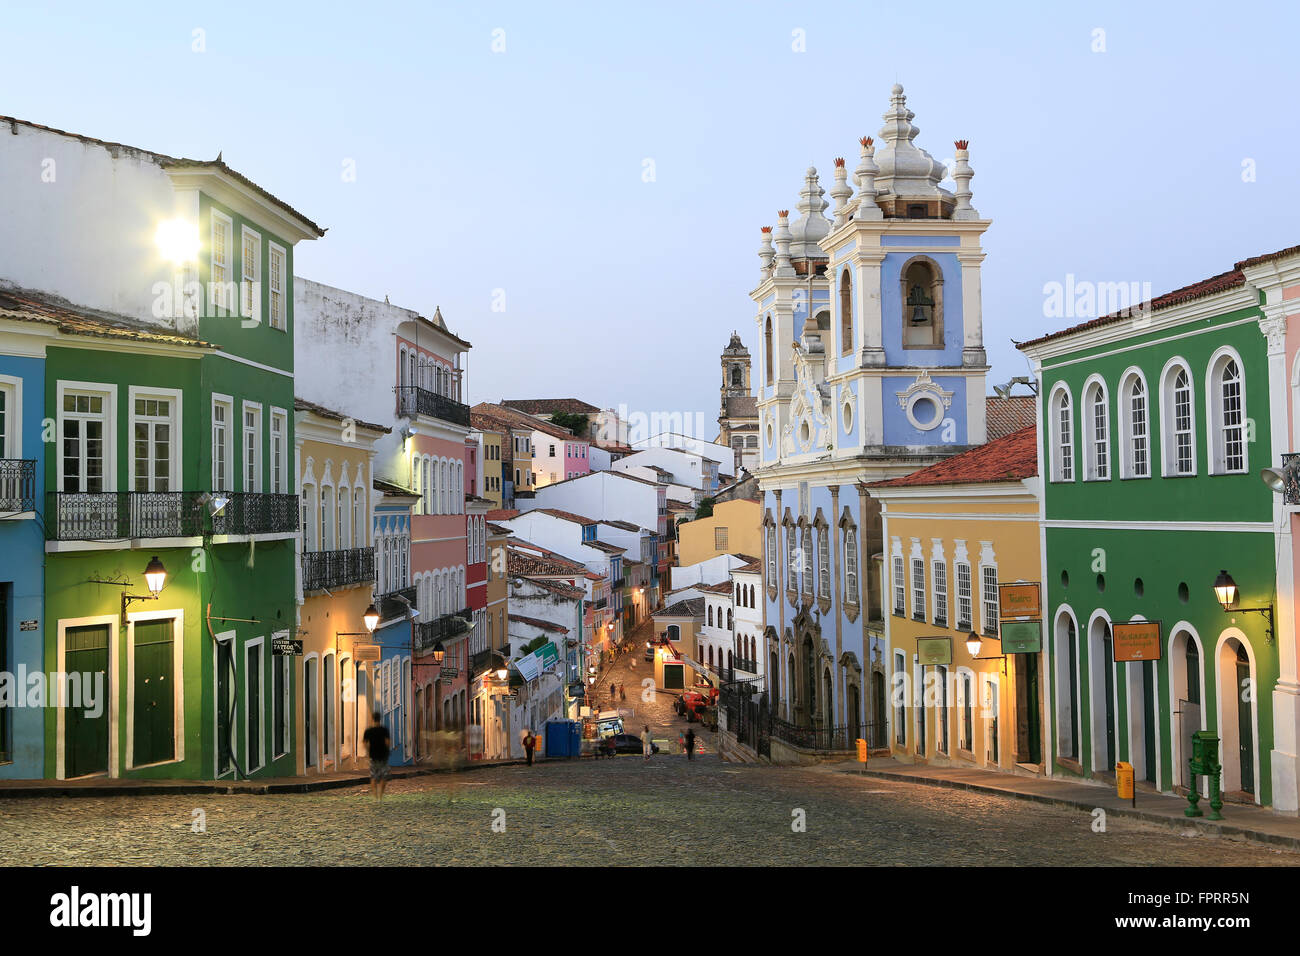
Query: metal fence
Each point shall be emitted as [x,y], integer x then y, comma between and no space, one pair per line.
[413,400]
[17,484]
[108,515]
[322,570]
[429,633]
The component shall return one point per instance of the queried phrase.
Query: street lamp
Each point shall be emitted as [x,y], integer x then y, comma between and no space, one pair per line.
[1279,478]
[975,643]
[1226,593]
[155,575]
[439,652]
[371,617]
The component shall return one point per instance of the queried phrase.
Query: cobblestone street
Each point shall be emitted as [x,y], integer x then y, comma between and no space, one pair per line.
[619,812]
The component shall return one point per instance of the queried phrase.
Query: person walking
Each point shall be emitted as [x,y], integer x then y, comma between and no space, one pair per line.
[377,741]
[646,746]
[690,743]
[622,691]
[530,742]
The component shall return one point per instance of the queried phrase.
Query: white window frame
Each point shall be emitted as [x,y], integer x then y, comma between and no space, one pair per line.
[1095,469]
[965,596]
[280,472]
[939,582]
[1063,457]
[175,397]
[108,392]
[177,616]
[281,747]
[278,276]
[217,287]
[898,579]
[1169,430]
[226,477]
[12,388]
[1128,426]
[250,283]
[823,562]
[915,564]
[258,642]
[1216,438]
[988,562]
[256,432]
[852,595]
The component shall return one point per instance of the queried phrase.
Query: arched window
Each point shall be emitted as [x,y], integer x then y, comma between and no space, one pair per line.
[922,298]
[730,621]
[311,513]
[359,523]
[807,556]
[327,518]
[1097,417]
[737,377]
[431,487]
[823,563]
[846,313]
[767,350]
[710,615]
[851,566]
[345,515]
[1061,423]
[1177,420]
[1226,404]
[1135,427]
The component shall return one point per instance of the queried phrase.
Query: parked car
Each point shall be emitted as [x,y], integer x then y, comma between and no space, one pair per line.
[628,744]
[649,652]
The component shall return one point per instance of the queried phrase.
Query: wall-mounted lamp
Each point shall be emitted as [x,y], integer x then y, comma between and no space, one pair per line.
[975,644]
[371,618]
[216,503]
[155,576]
[1226,593]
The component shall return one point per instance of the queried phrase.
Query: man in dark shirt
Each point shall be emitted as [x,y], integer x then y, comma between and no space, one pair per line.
[376,740]
[690,743]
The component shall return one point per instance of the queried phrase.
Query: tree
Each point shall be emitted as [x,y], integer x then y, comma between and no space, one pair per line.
[571,421]
[705,510]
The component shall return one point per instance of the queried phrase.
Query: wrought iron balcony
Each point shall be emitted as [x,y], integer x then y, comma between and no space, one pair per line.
[618,584]
[1291,488]
[413,400]
[114,515]
[429,633]
[17,485]
[322,570]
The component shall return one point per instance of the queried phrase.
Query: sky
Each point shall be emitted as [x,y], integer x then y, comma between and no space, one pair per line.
[580,186]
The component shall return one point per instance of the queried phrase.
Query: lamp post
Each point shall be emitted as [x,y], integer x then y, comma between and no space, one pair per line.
[1226,593]
[155,576]
[975,643]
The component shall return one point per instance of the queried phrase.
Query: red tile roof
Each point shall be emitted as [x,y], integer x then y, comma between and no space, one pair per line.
[549,406]
[518,420]
[1010,414]
[25,305]
[502,514]
[549,563]
[1269,257]
[1010,458]
[566,515]
[302,405]
[539,623]
[1197,290]
[557,588]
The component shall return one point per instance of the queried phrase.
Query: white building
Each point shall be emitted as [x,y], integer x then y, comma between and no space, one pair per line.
[722,454]
[609,495]
[747,634]
[682,467]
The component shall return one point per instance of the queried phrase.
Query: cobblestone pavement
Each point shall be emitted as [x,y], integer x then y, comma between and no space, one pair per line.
[621,812]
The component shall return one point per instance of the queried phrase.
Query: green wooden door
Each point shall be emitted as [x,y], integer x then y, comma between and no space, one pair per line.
[155,693]
[86,736]
[1149,719]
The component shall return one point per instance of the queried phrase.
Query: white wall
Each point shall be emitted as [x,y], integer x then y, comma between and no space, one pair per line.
[722,454]
[603,495]
[687,469]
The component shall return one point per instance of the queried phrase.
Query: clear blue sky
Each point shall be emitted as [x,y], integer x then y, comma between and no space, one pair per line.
[522,170]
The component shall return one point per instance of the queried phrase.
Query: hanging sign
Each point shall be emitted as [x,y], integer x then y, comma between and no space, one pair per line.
[365,652]
[286,647]
[1022,637]
[1019,602]
[1136,641]
[933,650]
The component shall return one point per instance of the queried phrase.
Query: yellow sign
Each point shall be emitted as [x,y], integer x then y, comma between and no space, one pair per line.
[1019,602]
[365,652]
[862,751]
[1136,641]
[1124,780]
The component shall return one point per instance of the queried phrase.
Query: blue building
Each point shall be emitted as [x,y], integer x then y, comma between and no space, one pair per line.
[395,675]
[22,550]
[870,365]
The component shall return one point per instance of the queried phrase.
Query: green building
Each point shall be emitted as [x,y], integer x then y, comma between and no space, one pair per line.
[175,443]
[1154,426]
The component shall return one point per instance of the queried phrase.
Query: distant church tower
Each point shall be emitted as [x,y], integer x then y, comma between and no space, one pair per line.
[738,411]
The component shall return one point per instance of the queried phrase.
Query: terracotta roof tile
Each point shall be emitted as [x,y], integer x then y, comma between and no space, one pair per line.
[1010,414]
[549,406]
[502,514]
[26,305]
[1269,257]
[517,419]
[539,623]
[566,515]
[1009,458]
[691,607]
[557,588]
[302,405]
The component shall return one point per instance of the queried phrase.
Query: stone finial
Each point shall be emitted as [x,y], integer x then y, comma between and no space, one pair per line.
[765,254]
[812,225]
[841,192]
[784,268]
[865,177]
[962,174]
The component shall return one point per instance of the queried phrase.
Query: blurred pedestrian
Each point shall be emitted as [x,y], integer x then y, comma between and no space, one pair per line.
[377,740]
[646,746]
[622,691]
[530,743]
[690,743]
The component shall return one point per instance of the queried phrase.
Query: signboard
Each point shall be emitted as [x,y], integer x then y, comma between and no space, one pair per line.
[1022,637]
[365,652]
[286,647]
[933,650]
[539,660]
[1136,641]
[1019,602]
[29,625]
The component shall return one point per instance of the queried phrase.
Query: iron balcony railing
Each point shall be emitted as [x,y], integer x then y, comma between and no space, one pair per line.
[322,570]
[17,484]
[109,515]
[745,664]
[815,738]
[429,633]
[1291,479]
[413,400]
[618,584]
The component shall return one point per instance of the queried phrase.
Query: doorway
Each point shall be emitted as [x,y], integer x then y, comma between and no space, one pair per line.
[153,722]
[1101,658]
[86,736]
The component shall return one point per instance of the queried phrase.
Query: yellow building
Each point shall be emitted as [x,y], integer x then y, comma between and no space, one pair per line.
[492,472]
[677,633]
[336,583]
[953,533]
[734,528]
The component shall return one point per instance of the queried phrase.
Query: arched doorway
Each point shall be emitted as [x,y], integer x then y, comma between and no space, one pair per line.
[1101,672]
[879,717]
[854,713]
[1065,655]
[1186,683]
[808,706]
[1238,716]
[828,710]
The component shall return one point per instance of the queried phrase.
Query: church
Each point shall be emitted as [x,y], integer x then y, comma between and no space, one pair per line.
[870,365]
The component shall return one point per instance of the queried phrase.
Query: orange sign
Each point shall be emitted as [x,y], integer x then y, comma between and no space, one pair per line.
[1136,641]
[1019,602]
[862,750]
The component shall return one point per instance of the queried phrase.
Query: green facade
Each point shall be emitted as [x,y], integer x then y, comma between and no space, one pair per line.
[1150,548]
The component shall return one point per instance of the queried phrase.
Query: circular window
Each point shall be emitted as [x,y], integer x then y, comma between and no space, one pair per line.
[846,415]
[924,412]
[1183,593]
[1138,587]
[1101,583]
[1065,579]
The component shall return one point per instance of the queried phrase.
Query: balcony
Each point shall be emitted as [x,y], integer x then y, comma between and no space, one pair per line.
[618,584]
[118,515]
[413,400]
[323,570]
[17,485]
[429,633]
